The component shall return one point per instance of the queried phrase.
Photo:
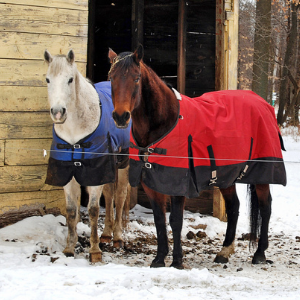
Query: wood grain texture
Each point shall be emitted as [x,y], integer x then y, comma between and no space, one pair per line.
[49,199]
[27,72]
[19,45]
[37,19]
[71,4]
[26,152]
[23,99]
[2,145]
[22,178]
[30,125]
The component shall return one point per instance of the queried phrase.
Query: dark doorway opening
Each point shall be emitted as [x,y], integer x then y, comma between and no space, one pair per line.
[178,37]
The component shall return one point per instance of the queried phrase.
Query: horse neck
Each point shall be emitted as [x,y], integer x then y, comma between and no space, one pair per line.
[157,111]
[83,112]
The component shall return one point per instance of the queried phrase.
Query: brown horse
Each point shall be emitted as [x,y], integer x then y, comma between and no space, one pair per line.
[156,109]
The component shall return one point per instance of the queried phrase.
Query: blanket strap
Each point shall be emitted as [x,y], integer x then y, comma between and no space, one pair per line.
[149,149]
[243,173]
[75,146]
[213,165]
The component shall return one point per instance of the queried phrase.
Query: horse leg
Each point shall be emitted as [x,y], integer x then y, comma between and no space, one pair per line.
[121,194]
[93,208]
[176,220]
[109,194]
[264,202]
[232,205]
[72,194]
[158,203]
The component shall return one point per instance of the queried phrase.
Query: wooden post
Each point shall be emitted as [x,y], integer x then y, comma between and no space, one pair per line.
[219,205]
[181,46]
[137,21]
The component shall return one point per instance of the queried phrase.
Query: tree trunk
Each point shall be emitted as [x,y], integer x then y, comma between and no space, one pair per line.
[262,48]
[289,60]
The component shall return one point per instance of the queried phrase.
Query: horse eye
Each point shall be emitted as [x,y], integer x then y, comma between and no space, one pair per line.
[47,80]
[137,80]
[70,80]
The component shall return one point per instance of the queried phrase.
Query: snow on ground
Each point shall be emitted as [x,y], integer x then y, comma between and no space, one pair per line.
[32,265]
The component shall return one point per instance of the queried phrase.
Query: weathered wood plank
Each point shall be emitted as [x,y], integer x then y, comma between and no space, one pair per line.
[23,98]
[2,145]
[19,45]
[26,152]
[15,125]
[27,72]
[38,19]
[71,4]
[50,199]
[22,178]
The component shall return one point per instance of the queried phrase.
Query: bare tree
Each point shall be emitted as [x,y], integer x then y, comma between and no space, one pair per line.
[290,68]
[261,58]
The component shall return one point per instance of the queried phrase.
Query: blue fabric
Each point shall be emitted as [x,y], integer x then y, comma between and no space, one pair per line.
[99,142]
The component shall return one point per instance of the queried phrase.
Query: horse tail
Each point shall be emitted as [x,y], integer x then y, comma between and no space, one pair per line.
[255,218]
[126,207]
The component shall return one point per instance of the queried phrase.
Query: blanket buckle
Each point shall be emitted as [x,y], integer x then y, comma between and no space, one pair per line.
[148,165]
[76,146]
[214,178]
[77,163]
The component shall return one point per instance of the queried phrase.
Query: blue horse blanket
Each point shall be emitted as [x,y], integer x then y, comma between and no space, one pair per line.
[94,159]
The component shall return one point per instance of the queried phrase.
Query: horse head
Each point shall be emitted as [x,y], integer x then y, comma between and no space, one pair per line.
[125,75]
[60,80]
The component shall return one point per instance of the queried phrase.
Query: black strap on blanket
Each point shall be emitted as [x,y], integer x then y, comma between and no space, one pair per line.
[75,146]
[213,165]
[149,150]
[243,173]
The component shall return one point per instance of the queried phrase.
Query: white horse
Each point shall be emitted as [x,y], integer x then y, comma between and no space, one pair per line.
[76,113]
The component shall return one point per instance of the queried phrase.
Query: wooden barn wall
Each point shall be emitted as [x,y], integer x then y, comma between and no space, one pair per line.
[27,28]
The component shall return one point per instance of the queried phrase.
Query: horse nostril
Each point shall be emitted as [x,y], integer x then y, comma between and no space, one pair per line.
[121,120]
[126,115]
[63,111]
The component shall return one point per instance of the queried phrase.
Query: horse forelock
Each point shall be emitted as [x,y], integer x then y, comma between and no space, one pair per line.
[58,64]
[122,63]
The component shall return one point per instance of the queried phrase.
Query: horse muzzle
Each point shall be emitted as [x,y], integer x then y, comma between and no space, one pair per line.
[122,121]
[58,115]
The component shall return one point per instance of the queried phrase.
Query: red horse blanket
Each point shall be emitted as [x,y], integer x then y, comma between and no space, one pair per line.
[219,138]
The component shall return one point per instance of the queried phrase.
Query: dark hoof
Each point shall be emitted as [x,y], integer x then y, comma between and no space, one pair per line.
[157,265]
[105,239]
[69,254]
[221,259]
[178,266]
[259,258]
[118,244]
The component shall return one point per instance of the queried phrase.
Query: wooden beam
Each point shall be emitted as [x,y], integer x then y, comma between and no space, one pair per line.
[137,21]
[181,46]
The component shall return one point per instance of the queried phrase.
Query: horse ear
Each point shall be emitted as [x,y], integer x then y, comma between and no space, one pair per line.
[47,56]
[111,55]
[138,54]
[71,56]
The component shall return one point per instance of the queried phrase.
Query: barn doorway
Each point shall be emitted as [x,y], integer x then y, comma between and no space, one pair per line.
[178,38]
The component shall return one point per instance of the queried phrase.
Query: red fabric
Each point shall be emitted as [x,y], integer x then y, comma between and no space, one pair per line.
[227,120]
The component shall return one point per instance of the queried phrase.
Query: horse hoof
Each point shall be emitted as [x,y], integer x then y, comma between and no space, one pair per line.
[68,253]
[178,266]
[221,259]
[95,257]
[118,244]
[157,265]
[105,239]
[259,258]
